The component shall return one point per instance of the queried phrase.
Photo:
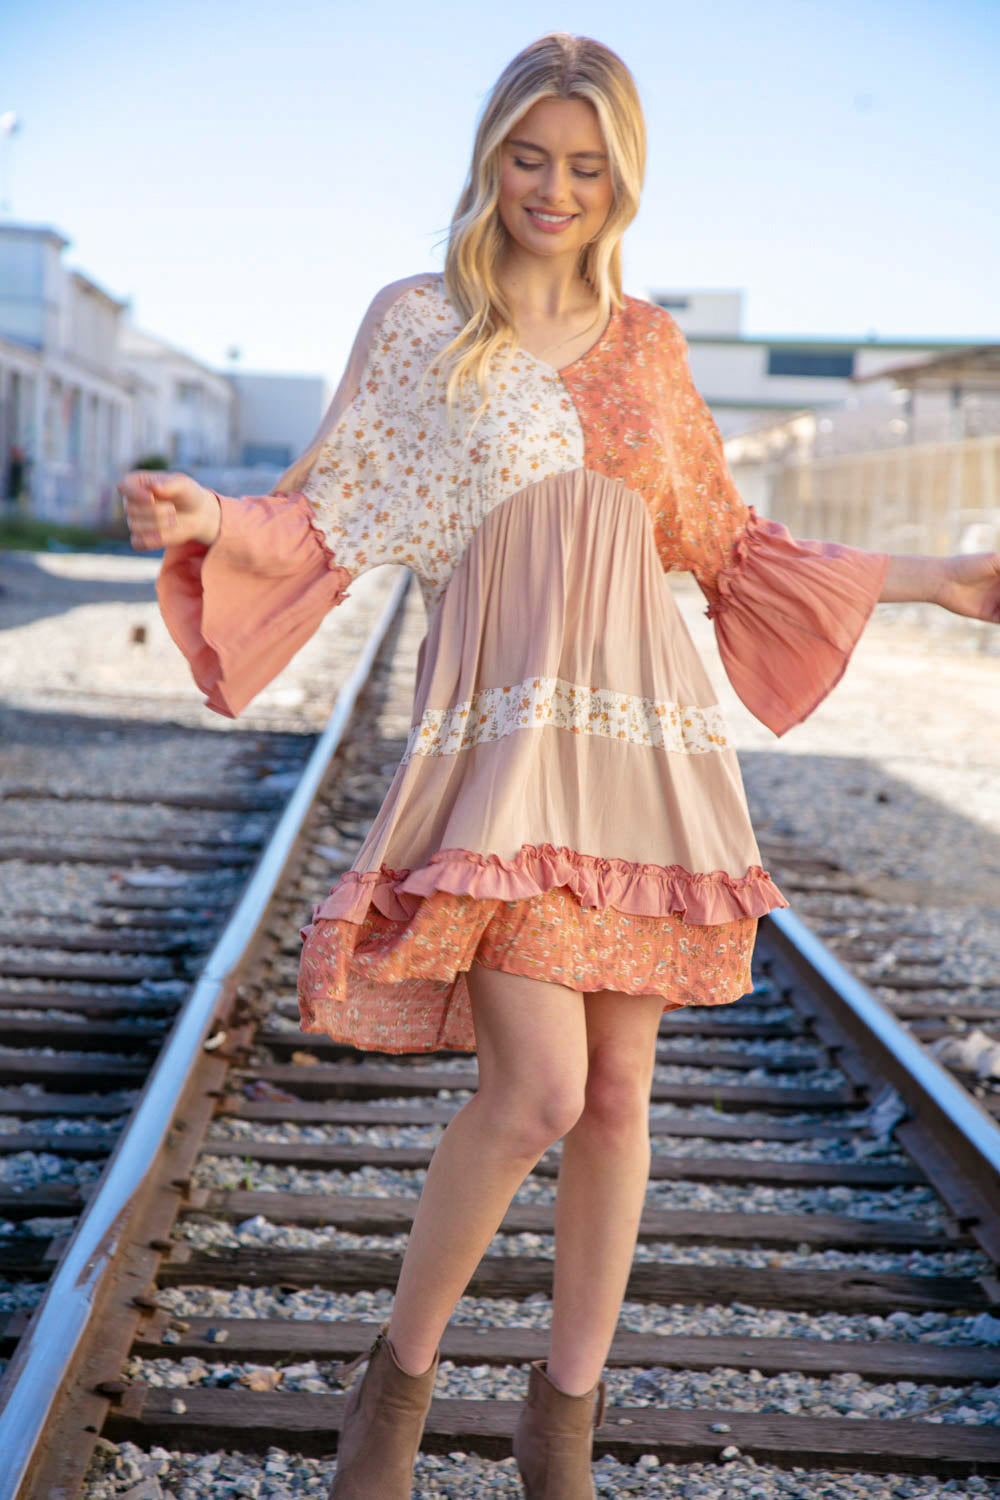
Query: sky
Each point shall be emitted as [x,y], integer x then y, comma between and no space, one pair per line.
[248,175]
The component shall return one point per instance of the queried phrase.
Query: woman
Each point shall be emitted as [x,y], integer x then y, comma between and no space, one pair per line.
[565,851]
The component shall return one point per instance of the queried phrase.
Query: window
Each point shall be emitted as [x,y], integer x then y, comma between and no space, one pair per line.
[809,362]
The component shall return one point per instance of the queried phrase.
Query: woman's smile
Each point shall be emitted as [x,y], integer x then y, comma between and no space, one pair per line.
[549,222]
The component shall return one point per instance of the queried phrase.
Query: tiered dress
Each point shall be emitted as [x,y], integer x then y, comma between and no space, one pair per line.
[568,806]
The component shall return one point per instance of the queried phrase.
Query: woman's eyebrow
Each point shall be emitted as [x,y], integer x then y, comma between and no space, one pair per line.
[530,146]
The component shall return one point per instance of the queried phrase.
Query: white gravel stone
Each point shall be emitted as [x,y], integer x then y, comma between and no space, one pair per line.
[81,658]
[280,1475]
[628,1386]
[918,1203]
[65,1125]
[24,1170]
[736,1319]
[15,1295]
[818,1149]
[261,1233]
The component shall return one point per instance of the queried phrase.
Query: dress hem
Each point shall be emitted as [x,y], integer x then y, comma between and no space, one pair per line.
[315,1027]
[704,900]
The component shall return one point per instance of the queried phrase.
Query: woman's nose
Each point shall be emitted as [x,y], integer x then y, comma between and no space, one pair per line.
[555,183]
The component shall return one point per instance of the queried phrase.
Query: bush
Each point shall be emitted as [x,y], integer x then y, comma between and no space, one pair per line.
[28,534]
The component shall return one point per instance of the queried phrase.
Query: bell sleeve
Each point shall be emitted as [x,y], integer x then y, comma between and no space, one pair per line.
[241,608]
[787,613]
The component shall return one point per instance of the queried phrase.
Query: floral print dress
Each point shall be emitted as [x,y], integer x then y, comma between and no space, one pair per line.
[568,806]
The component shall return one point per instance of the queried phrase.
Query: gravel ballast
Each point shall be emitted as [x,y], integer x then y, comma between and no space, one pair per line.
[898,796]
[284,1476]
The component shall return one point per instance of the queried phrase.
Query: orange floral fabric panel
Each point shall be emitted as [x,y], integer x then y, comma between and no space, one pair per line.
[398,986]
[651,429]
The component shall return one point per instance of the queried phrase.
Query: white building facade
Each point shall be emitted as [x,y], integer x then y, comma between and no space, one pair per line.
[182,410]
[63,407]
[750,382]
[85,395]
[277,416]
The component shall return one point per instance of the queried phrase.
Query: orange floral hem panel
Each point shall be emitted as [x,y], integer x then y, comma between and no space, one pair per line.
[391,985]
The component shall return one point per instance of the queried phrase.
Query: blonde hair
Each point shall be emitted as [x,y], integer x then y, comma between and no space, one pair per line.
[558,66]
[555,67]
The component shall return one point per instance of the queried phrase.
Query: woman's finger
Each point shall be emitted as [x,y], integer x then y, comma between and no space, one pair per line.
[168,487]
[152,525]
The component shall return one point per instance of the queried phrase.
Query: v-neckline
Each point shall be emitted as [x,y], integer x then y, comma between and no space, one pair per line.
[594,347]
[557,370]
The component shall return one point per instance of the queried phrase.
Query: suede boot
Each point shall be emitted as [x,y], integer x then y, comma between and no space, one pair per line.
[554,1438]
[382,1427]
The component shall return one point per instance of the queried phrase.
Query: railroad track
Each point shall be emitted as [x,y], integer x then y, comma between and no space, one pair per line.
[887,947]
[823,1219]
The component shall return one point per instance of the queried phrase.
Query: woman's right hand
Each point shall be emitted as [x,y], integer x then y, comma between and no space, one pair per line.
[163,509]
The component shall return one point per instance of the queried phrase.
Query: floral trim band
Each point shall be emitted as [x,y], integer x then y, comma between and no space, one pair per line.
[551,702]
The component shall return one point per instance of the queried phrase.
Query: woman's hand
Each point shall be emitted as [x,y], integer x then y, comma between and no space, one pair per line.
[965,583]
[164,509]
[971,586]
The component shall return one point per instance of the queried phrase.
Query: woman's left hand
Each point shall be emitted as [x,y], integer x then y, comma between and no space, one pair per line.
[971,585]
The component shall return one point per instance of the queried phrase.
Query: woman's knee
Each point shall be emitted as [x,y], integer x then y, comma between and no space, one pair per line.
[617,1094]
[531,1037]
[531,1117]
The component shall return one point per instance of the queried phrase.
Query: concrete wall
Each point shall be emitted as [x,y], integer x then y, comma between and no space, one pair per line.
[277,416]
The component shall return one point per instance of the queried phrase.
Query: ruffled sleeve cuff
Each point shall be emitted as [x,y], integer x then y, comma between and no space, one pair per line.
[241,608]
[787,616]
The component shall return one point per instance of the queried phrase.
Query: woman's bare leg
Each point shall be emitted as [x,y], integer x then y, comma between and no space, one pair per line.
[532,1045]
[602,1186]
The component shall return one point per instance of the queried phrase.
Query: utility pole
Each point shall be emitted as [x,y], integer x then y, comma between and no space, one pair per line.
[9,125]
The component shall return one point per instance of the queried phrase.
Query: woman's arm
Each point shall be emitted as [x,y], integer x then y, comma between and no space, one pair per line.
[966,584]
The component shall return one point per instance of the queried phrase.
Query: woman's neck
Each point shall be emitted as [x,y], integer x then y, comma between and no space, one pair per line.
[541,290]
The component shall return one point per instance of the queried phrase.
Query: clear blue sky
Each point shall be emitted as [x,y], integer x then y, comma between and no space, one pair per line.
[251,173]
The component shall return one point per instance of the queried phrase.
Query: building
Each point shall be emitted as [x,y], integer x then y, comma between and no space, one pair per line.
[953,395]
[909,462]
[85,395]
[182,409]
[277,416]
[754,381]
[63,404]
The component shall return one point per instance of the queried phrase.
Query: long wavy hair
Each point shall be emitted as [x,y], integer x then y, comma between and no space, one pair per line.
[558,66]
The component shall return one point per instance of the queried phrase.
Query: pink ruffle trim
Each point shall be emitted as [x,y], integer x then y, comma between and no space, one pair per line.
[642,890]
[726,580]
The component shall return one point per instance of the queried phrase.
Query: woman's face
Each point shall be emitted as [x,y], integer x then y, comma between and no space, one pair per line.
[555,178]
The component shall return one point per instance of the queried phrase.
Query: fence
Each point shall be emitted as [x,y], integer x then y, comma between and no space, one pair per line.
[939,497]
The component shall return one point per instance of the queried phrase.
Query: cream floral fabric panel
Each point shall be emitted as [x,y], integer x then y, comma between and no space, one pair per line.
[551,702]
[402,480]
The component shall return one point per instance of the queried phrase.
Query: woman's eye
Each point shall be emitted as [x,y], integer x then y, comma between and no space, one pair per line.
[531,166]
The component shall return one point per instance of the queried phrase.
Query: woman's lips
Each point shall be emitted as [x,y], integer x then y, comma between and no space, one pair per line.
[549,225]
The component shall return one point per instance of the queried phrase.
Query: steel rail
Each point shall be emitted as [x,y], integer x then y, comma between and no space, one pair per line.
[970,1135]
[42,1359]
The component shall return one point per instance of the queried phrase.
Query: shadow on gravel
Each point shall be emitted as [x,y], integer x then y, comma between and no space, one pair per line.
[31,591]
[98,752]
[41,745]
[910,848]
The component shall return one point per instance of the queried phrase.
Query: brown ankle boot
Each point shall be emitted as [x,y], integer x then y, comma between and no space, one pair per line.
[382,1427]
[554,1438]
